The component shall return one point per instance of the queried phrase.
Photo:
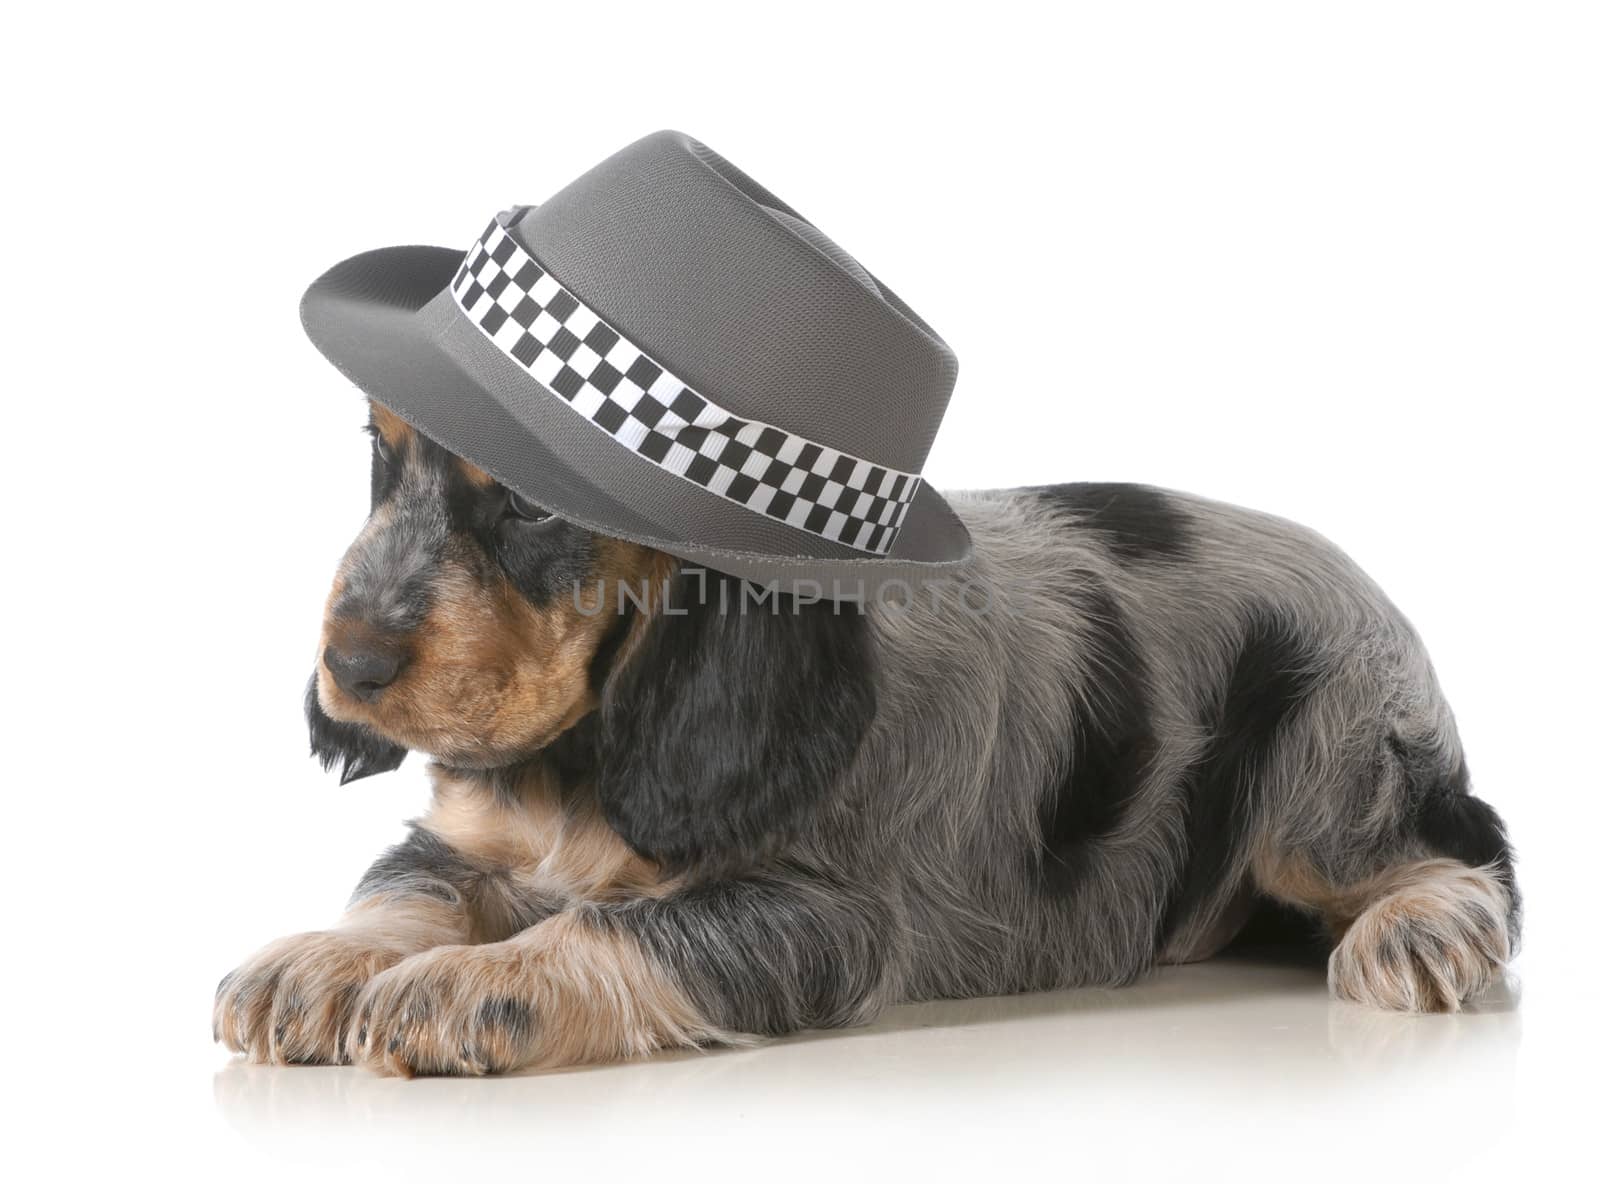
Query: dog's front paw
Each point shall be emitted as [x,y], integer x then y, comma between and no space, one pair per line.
[455,1010]
[291,1003]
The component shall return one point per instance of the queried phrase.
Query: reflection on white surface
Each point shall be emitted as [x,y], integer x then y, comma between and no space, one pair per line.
[1241,1057]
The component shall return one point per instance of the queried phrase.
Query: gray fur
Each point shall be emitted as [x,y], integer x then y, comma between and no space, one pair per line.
[936,835]
[387,569]
[1276,712]
[422,865]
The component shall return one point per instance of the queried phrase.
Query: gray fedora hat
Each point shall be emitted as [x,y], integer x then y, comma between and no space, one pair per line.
[664,352]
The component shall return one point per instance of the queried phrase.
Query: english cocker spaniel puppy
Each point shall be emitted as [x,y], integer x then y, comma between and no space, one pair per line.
[664,816]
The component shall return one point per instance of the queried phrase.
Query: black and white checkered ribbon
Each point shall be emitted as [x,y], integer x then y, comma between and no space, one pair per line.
[565,345]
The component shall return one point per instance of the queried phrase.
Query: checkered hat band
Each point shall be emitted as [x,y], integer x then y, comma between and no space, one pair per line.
[561,342]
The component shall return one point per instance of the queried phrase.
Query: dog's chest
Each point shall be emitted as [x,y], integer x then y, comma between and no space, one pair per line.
[539,839]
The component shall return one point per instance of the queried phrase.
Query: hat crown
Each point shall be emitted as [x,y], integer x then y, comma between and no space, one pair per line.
[740,297]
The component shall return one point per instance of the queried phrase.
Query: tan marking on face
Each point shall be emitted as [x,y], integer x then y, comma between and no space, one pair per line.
[567,991]
[395,431]
[492,678]
[489,672]
[474,474]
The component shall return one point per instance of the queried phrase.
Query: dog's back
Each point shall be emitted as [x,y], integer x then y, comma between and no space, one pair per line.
[1147,709]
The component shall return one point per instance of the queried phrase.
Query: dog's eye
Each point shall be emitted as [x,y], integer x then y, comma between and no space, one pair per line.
[381,447]
[518,506]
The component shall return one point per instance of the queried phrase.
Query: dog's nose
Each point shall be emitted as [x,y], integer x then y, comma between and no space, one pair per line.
[362,673]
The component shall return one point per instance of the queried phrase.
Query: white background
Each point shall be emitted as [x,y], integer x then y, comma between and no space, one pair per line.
[1337,261]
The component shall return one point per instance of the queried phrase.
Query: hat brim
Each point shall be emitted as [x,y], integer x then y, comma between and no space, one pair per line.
[387,321]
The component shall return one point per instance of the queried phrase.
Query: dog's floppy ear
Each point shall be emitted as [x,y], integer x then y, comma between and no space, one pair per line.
[728,723]
[359,750]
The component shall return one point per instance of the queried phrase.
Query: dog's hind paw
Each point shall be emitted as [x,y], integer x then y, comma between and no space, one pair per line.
[1438,935]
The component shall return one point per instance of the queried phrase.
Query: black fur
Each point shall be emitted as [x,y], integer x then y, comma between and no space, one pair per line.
[543,560]
[1273,923]
[1134,521]
[726,729]
[765,955]
[1465,828]
[424,864]
[511,1015]
[574,754]
[1272,674]
[1111,745]
[358,749]
[1452,823]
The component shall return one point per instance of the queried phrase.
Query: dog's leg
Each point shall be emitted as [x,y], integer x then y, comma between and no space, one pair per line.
[1423,935]
[1415,886]
[714,964]
[291,1002]
[1370,823]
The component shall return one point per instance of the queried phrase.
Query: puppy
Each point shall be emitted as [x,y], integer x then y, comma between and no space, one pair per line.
[666,814]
